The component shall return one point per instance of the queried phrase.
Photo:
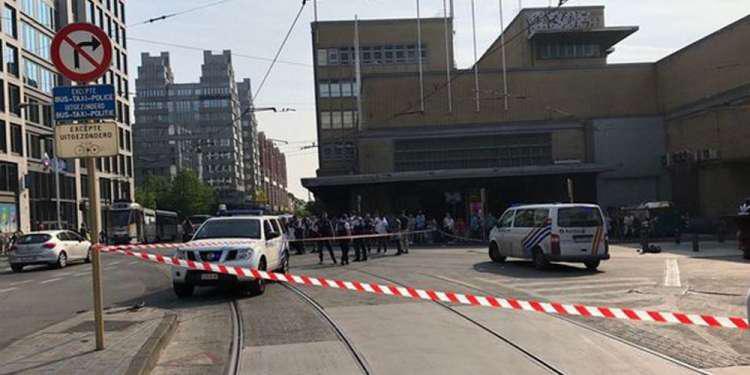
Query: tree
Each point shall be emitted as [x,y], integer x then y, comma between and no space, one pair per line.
[185,193]
[189,195]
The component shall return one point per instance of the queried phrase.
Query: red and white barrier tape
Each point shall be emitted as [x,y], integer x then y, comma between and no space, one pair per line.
[455,298]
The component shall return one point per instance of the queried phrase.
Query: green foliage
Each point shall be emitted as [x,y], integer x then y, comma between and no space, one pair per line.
[185,194]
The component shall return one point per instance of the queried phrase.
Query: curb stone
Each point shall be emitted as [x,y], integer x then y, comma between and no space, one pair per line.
[147,357]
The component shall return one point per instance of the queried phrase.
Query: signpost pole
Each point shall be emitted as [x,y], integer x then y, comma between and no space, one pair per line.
[75,43]
[95,228]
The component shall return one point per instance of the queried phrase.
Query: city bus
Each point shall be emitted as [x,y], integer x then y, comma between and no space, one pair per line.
[168,228]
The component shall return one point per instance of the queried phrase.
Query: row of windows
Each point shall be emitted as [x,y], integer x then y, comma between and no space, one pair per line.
[39,77]
[215,103]
[568,51]
[113,30]
[40,11]
[337,88]
[372,55]
[36,41]
[338,151]
[119,164]
[338,119]
[158,92]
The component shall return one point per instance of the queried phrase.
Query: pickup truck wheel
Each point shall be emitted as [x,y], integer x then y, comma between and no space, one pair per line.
[495,253]
[284,263]
[257,287]
[183,290]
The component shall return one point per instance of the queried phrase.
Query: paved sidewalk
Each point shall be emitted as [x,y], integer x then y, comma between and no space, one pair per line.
[708,249]
[133,340]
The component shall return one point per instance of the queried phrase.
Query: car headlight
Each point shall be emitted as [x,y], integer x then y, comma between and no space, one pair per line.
[244,254]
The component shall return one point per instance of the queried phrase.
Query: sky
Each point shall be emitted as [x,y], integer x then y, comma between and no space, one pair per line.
[256,28]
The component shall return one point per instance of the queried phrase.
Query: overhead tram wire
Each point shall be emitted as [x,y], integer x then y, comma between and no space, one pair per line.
[179,13]
[410,110]
[278,52]
[194,48]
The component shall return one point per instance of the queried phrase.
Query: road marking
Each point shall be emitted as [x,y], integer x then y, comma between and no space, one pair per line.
[21,282]
[79,274]
[64,274]
[115,263]
[7,290]
[109,268]
[597,286]
[586,280]
[51,280]
[672,273]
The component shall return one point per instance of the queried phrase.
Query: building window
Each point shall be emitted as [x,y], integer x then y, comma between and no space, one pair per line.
[14,99]
[16,139]
[2,95]
[3,137]
[325,120]
[9,21]
[32,111]
[10,55]
[35,41]
[34,146]
[568,51]
[324,91]
[41,12]
[322,57]
[38,76]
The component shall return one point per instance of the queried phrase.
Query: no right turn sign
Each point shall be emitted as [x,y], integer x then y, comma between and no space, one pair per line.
[82,52]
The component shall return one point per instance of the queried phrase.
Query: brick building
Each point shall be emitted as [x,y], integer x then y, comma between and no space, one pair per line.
[273,179]
[618,132]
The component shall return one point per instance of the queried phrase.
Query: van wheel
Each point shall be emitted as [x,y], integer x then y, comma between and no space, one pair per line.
[495,253]
[540,262]
[183,290]
[257,287]
[284,268]
[592,265]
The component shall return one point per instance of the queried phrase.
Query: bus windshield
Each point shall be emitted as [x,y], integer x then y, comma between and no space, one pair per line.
[120,218]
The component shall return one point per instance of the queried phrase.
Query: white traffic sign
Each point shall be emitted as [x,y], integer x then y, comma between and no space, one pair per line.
[82,52]
[86,140]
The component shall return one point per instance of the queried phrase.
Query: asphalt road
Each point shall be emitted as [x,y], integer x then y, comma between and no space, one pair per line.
[39,297]
[345,332]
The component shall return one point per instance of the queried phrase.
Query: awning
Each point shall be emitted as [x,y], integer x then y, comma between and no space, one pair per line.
[450,174]
[606,37]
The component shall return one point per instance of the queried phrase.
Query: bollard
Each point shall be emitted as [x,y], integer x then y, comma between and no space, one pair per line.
[696,245]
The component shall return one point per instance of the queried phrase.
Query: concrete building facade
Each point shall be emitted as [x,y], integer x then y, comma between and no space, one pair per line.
[273,178]
[206,113]
[570,115]
[27,187]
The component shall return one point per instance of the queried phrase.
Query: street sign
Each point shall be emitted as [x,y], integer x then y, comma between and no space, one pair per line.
[94,102]
[86,140]
[82,52]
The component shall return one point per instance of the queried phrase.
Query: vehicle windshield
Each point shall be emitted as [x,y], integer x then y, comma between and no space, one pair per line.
[245,228]
[579,217]
[120,218]
[33,238]
[198,219]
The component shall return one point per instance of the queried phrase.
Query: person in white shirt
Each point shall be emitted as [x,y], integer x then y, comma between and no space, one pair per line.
[381,227]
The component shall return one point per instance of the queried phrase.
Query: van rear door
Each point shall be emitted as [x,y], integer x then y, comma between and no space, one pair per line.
[581,230]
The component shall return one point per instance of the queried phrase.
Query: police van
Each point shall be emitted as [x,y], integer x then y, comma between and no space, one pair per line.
[551,232]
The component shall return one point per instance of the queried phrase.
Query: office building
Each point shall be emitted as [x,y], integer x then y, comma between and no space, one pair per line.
[27,185]
[574,124]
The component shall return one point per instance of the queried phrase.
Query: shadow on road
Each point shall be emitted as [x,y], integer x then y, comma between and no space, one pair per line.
[525,270]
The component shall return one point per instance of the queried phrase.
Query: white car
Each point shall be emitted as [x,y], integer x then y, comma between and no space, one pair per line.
[551,232]
[54,248]
[255,242]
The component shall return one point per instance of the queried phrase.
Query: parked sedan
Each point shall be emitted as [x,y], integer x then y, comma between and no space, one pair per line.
[54,248]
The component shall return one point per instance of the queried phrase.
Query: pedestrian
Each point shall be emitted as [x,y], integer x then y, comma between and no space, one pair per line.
[344,230]
[448,225]
[369,229]
[404,236]
[299,235]
[325,230]
[358,229]
[381,229]
[420,223]
[395,227]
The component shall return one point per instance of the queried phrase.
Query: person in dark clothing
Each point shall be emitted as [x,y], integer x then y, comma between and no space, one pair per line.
[360,252]
[343,229]
[404,238]
[299,235]
[369,228]
[325,229]
[395,227]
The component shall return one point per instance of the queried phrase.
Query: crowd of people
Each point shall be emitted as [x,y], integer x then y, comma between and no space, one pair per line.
[364,233]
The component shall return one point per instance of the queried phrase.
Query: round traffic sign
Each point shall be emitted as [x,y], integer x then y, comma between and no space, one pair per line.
[81,52]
